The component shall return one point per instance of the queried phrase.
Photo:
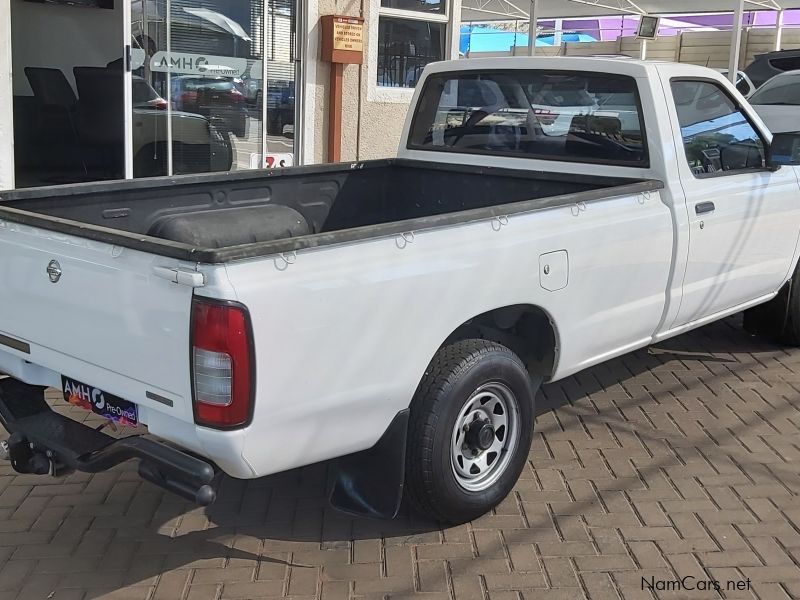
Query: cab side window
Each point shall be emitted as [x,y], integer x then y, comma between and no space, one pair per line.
[717,137]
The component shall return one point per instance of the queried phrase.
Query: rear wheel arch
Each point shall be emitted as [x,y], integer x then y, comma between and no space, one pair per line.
[526,329]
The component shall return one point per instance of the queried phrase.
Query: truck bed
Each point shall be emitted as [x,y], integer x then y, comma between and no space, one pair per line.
[217,218]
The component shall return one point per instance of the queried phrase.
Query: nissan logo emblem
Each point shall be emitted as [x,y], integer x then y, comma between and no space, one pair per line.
[54,271]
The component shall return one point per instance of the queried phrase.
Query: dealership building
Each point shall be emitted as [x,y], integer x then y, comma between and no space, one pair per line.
[97,89]
[102,89]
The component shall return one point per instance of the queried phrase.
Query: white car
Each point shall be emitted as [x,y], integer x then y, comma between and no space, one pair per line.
[555,109]
[743,82]
[777,102]
[397,314]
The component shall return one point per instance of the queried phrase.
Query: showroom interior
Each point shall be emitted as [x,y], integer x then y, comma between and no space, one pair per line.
[79,116]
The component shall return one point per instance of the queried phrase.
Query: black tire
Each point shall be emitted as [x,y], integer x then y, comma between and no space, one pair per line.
[790,335]
[240,126]
[778,319]
[151,161]
[455,374]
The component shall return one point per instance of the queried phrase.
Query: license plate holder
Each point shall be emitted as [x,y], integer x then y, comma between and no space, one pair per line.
[99,402]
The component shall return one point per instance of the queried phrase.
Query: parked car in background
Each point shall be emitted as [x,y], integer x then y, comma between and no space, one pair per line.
[777,102]
[144,96]
[253,90]
[766,66]
[197,146]
[555,109]
[220,99]
[280,102]
[280,106]
[743,82]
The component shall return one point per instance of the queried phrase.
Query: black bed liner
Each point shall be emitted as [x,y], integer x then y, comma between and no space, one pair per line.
[29,206]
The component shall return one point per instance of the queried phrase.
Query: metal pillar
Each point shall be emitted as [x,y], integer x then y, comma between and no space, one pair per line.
[127,90]
[6,101]
[643,49]
[736,41]
[559,30]
[454,28]
[170,147]
[779,30]
[532,28]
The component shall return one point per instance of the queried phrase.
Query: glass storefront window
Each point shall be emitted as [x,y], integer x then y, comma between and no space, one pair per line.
[205,60]
[405,46]
[427,6]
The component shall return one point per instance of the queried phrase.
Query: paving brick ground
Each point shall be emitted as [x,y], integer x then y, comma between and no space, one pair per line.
[682,460]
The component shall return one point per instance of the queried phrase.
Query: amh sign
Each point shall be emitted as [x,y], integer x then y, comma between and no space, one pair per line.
[198,64]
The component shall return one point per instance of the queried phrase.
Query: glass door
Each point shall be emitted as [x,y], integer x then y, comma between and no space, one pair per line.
[281,72]
[198,100]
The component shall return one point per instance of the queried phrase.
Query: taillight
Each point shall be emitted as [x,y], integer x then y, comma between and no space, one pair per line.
[222,364]
[187,97]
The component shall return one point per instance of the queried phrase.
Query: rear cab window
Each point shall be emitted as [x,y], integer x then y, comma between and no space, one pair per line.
[557,115]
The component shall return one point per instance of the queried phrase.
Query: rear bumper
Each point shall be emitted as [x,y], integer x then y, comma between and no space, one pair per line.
[45,442]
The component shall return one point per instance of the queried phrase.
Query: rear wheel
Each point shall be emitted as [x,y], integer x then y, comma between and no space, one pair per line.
[470,430]
[790,333]
[151,161]
[778,319]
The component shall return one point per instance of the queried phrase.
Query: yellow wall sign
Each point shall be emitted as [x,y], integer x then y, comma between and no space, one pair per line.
[348,34]
[342,39]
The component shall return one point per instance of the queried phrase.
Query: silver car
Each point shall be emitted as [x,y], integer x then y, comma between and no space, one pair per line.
[777,102]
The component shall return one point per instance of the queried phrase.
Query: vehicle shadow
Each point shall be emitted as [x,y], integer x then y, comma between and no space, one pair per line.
[272,520]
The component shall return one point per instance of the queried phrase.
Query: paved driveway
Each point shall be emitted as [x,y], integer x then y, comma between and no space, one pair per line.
[672,468]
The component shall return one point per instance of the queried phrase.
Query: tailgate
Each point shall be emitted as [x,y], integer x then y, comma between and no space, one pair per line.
[108,321]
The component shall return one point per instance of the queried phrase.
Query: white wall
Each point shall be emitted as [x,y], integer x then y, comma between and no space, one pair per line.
[49,35]
[6,116]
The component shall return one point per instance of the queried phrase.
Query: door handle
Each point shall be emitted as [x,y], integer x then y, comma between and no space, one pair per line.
[704,207]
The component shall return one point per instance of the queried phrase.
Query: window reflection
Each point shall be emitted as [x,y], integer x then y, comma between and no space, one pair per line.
[212,76]
[405,47]
[717,137]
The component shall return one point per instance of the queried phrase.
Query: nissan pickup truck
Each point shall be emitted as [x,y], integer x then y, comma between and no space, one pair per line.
[542,215]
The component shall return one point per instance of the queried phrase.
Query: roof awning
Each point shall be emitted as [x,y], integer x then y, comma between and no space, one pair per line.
[492,10]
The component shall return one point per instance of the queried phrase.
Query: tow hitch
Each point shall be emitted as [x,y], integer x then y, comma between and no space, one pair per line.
[44,442]
[25,460]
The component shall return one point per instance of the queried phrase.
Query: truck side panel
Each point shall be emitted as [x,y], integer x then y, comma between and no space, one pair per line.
[338,356]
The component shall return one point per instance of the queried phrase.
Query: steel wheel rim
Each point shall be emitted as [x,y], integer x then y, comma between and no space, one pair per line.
[476,468]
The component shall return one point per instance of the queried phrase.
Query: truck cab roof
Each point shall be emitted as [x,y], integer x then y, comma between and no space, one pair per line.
[633,67]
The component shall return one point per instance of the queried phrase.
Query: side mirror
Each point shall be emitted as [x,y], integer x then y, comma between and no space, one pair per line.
[784,151]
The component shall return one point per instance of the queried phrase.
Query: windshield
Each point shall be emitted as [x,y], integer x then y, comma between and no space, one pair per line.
[569,116]
[780,90]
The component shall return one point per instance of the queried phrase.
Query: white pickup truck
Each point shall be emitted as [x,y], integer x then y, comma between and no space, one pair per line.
[399,314]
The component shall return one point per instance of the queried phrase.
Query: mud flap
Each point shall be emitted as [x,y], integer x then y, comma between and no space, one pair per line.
[370,483]
[769,319]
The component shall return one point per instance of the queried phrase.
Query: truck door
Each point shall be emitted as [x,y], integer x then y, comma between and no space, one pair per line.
[743,218]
